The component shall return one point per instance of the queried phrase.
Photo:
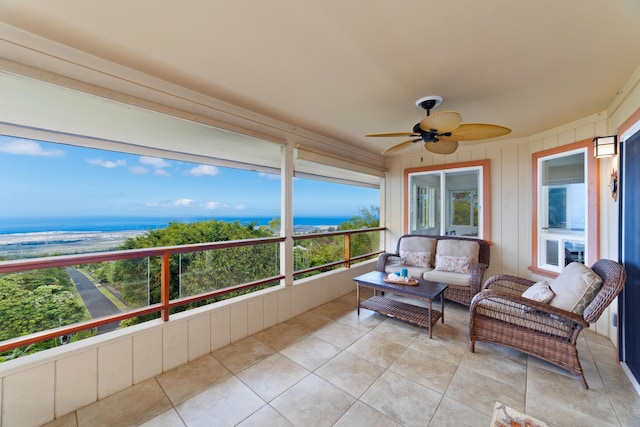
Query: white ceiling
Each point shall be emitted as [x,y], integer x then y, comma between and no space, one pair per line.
[345,68]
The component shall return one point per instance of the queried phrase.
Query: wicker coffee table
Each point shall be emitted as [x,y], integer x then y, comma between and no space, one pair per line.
[416,314]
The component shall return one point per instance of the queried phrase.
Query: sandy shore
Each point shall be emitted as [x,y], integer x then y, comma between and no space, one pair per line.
[26,245]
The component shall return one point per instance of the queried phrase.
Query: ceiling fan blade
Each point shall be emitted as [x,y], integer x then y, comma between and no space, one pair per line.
[393,134]
[400,146]
[443,146]
[443,121]
[477,131]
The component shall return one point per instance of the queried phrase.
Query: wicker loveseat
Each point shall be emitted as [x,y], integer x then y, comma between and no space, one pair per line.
[501,315]
[462,286]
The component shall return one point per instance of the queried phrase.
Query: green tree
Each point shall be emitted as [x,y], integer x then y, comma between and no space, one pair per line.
[366,242]
[324,250]
[196,272]
[36,301]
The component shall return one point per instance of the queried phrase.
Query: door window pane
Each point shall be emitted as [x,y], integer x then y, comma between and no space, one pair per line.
[457,213]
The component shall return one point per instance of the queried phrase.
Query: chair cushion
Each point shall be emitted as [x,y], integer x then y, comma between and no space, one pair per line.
[575,287]
[454,264]
[511,312]
[540,292]
[455,279]
[452,247]
[416,258]
[418,244]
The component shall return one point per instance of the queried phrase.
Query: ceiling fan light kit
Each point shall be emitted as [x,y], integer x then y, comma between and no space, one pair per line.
[441,131]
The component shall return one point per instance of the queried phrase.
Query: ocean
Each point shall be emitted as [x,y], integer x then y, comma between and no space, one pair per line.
[36,236]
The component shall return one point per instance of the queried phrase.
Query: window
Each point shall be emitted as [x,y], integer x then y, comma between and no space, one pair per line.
[565,222]
[448,199]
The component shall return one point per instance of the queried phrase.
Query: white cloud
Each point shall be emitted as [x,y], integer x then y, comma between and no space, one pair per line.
[179,203]
[202,170]
[154,161]
[182,202]
[269,176]
[240,207]
[161,172]
[106,163]
[138,170]
[28,148]
[213,205]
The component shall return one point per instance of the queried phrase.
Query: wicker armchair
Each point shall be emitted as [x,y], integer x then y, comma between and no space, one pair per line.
[498,314]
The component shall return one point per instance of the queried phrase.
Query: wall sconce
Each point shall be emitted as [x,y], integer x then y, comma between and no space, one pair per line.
[605,146]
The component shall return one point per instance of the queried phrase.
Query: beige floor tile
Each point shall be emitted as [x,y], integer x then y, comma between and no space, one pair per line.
[590,371]
[335,310]
[404,401]
[565,399]
[366,320]
[366,357]
[271,376]
[399,332]
[481,392]
[224,404]
[313,402]
[186,380]
[376,350]
[364,415]
[429,372]
[131,406]
[169,418]
[491,350]
[448,350]
[603,353]
[68,420]
[614,378]
[351,373]
[280,336]
[266,417]
[627,406]
[243,353]
[309,321]
[452,413]
[311,352]
[592,337]
[339,334]
[498,366]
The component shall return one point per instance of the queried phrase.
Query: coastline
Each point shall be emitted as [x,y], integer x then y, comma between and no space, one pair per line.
[27,244]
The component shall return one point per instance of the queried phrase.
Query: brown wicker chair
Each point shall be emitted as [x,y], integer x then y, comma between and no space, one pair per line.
[498,314]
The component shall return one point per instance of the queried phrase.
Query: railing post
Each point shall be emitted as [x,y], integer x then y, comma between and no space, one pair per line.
[347,250]
[164,286]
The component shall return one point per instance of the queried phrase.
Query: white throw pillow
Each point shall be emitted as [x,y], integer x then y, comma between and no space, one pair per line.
[415,258]
[454,264]
[540,292]
[575,287]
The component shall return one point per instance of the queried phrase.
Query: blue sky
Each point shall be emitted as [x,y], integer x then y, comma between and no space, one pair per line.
[47,179]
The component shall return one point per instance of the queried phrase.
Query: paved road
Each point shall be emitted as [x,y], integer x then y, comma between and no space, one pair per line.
[97,304]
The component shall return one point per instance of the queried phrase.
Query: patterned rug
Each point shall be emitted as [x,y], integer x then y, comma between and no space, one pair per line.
[504,416]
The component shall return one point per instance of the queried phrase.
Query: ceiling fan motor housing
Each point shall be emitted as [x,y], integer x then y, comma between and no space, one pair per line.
[429,136]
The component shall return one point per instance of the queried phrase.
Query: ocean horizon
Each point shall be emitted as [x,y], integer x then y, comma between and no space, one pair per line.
[20,225]
[31,236]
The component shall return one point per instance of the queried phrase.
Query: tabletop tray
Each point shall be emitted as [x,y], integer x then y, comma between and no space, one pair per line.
[411,282]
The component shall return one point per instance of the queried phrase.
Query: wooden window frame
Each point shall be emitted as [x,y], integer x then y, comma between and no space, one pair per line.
[593,204]
[484,165]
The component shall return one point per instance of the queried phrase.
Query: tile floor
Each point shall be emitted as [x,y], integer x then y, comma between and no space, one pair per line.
[330,367]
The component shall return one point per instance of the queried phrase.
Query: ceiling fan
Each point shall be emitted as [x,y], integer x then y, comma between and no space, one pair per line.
[441,131]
